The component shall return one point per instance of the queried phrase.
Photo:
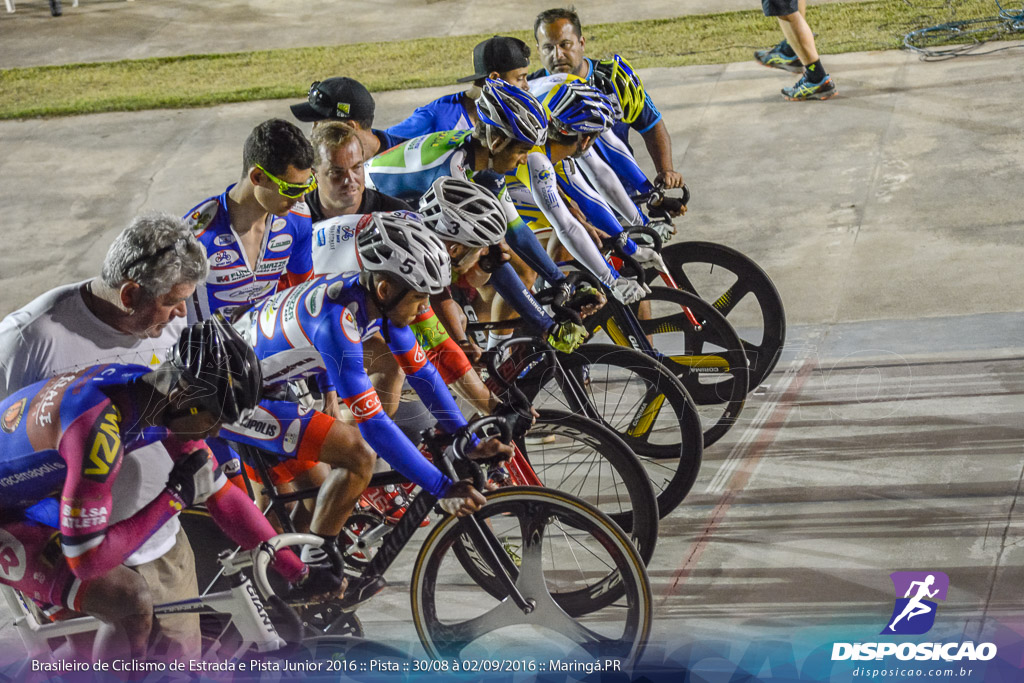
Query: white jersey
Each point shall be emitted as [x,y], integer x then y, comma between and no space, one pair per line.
[334,244]
[58,333]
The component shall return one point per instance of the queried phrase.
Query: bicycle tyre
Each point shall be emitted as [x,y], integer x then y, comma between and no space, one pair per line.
[624,590]
[595,473]
[713,365]
[690,262]
[673,462]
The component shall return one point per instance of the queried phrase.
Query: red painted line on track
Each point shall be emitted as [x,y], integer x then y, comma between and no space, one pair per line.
[740,478]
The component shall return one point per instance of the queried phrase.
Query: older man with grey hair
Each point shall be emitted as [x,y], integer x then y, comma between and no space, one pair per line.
[132,313]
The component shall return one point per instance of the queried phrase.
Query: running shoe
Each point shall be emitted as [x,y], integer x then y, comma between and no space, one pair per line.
[774,58]
[805,90]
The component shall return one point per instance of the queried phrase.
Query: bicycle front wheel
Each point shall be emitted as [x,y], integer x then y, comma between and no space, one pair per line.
[579,456]
[639,399]
[590,593]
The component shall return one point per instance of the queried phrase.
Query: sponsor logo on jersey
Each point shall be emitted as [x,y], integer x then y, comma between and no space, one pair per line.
[349,327]
[223,240]
[262,425]
[545,174]
[201,218]
[47,399]
[230,277]
[365,405]
[104,445]
[268,317]
[280,242]
[224,257]
[12,416]
[321,237]
[244,294]
[278,224]
[83,517]
[272,267]
[12,557]
[291,436]
[315,300]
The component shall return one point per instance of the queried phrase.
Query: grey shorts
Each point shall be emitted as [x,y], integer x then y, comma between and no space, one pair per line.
[779,8]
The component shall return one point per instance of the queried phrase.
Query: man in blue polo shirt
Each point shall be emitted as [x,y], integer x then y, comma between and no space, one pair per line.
[497,57]
[561,44]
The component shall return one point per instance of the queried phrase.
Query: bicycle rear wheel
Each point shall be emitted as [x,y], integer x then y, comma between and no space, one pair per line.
[740,290]
[579,456]
[639,399]
[588,584]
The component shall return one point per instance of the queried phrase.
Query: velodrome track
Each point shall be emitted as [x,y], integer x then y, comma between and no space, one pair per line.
[890,218]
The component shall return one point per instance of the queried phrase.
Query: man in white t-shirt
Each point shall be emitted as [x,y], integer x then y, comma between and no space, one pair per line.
[132,313]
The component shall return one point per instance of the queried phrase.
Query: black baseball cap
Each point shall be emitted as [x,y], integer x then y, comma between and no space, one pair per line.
[499,53]
[336,98]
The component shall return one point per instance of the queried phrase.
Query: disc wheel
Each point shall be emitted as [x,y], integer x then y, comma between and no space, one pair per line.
[587,585]
[740,290]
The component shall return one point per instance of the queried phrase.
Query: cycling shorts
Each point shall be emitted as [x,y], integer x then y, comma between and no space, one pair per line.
[780,8]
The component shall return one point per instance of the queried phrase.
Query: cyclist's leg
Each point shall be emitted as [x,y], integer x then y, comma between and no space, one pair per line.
[352,461]
[33,563]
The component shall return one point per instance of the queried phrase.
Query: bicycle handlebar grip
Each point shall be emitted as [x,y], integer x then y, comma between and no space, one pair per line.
[462,439]
[264,553]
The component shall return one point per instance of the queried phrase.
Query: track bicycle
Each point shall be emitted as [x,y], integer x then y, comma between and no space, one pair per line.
[532,559]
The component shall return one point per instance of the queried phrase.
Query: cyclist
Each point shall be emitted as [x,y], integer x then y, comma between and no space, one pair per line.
[498,57]
[468,220]
[346,100]
[578,114]
[257,232]
[61,449]
[561,44]
[511,123]
[318,328]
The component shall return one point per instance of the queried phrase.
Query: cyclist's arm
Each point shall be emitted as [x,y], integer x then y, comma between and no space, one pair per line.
[345,368]
[421,122]
[605,180]
[507,283]
[522,240]
[442,351]
[91,446]
[591,203]
[300,262]
[571,232]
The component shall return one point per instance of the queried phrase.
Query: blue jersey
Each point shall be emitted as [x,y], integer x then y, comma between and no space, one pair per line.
[648,118]
[444,113]
[317,328]
[232,280]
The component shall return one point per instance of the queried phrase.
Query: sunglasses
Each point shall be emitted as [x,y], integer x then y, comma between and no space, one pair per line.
[289,190]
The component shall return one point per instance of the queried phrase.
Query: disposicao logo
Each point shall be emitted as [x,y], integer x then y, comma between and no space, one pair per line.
[914,613]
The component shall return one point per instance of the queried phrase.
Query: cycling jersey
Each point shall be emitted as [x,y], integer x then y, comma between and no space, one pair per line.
[317,328]
[444,113]
[232,280]
[409,170]
[647,119]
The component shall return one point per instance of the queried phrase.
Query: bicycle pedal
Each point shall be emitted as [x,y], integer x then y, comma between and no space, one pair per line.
[360,590]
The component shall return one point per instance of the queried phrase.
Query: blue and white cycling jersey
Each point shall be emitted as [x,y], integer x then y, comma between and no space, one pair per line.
[444,113]
[232,280]
[318,329]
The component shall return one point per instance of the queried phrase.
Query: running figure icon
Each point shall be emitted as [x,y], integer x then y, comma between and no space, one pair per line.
[919,591]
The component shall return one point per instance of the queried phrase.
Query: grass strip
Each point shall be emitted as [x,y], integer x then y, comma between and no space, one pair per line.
[204,80]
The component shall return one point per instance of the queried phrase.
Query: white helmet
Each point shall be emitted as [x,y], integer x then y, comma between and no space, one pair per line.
[397,243]
[461,211]
[513,111]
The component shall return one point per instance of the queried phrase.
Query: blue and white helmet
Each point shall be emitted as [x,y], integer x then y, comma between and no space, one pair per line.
[513,111]
[578,108]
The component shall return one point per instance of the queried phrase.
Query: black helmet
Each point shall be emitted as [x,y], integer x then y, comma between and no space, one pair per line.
[219,370]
